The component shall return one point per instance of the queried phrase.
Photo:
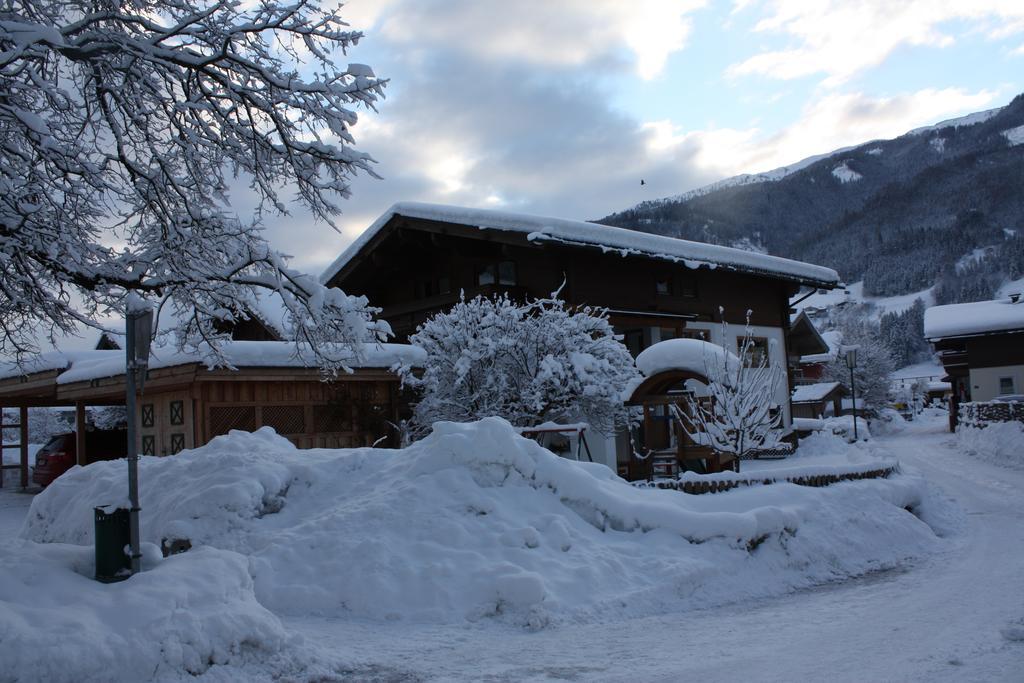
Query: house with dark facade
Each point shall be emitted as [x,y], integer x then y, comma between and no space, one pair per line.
[981,348]
[418,259]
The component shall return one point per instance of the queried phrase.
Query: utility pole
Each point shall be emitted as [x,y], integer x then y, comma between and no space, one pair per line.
[138,334]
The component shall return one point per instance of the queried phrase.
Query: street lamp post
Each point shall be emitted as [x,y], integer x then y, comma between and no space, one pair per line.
[851,362]
[138,334]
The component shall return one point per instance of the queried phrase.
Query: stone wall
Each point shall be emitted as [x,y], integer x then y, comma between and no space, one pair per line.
[981,413]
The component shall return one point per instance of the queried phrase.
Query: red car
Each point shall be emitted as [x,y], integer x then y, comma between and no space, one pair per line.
[60,453]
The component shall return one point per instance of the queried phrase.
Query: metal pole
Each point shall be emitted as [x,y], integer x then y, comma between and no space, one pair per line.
[133,452]
[853,399]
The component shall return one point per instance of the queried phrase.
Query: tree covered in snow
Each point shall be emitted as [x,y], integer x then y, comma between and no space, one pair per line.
[903,333]
[873,374]
[42,424]
[122,125]
[740,413]
[109,417]
[528,363]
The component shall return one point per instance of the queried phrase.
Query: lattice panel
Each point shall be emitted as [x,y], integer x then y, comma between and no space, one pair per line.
[177,409]
[285,419]
[148,414]
[332,418]
[225,418]
[177,443]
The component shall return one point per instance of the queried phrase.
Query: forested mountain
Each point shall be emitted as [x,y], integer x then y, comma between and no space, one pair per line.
[942,205]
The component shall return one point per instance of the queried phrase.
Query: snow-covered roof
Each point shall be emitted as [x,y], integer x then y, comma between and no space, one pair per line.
[82,366]
[682,354]
[812,393]
[981,317]
[51,360]
[607,238]
[834,339]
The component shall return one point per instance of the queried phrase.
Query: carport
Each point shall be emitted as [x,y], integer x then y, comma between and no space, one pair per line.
[35,386]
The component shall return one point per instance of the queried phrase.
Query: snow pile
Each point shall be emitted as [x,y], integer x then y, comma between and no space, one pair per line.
[475,521]
[844,174]
[691,355]
[184,614]
[843,426]
[1001,443]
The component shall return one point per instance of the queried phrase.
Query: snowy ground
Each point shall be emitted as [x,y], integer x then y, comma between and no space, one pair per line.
[954,613]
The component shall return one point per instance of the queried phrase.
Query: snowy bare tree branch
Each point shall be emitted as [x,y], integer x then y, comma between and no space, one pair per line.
[121,124]
[742,414]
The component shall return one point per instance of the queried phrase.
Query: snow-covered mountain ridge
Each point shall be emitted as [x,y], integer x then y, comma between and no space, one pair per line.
[899,215]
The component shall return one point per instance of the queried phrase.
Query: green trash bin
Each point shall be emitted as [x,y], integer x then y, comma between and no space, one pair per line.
[112,537]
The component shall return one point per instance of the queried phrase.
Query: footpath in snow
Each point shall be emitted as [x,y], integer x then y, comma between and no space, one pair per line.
[472,530]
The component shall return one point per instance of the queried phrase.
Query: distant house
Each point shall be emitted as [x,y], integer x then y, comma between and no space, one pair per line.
[821,399]
[981,347]
[185,403]
[810,350]
[418,259]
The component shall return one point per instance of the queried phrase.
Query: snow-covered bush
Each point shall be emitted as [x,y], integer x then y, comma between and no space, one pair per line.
[125,123]
[742,414]
[528,363]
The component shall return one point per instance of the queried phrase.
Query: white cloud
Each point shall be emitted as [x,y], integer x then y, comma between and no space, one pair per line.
[539,32]
[840,39]
[830,122]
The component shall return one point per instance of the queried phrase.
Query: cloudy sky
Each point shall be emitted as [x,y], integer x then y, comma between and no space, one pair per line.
[562,107]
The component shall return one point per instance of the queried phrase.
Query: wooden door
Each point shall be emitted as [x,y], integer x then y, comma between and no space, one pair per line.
[165,423]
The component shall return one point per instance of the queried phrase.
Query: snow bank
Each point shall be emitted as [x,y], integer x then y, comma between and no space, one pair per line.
[1001,443]
[475,521]
[185,614]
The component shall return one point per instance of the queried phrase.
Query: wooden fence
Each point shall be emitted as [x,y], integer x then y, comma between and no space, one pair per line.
[695,486]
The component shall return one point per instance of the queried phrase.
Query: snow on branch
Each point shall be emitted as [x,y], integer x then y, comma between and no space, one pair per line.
[528,363]
[121,124]
[740,413]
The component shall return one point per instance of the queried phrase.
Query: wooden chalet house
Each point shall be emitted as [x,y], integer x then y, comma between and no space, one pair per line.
[185,403]
[981,347]
[418,259]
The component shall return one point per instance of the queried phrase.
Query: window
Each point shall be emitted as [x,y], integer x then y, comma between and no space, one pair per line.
[503,273]
[688,287]
[507,273]
[1006,385]
[667,333]
[758,349]
[433,287]
[663,286]
[488,275]
[634,341]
